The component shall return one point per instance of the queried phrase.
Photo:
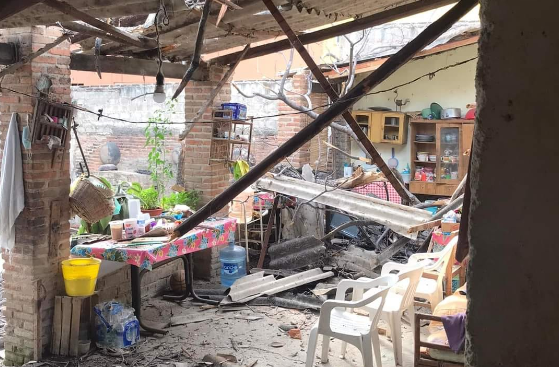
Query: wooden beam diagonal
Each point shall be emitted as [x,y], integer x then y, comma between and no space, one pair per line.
[325,84]
[431,33]
[124,37]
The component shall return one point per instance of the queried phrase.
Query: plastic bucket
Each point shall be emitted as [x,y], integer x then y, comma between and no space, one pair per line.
[80,276]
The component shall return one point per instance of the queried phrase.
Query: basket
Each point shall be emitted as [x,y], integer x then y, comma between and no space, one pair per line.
[91,200]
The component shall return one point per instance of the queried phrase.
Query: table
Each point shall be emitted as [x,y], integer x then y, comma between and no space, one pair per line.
[147,257]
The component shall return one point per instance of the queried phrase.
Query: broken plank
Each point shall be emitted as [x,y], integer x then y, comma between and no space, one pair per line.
[391,250]
[214,93]
[75,326]
[89,30]
[230,4]
[66,325]
[424,226]
[124,37]
[56,326]
[24,60]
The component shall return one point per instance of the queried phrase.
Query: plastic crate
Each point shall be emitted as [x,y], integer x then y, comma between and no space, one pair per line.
[239,110]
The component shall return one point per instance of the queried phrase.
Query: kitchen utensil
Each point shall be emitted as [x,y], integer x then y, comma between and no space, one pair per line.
[426,113]
[451,113]
[436,109]
[393,162]
[432,158]
[422,156]
[471,114]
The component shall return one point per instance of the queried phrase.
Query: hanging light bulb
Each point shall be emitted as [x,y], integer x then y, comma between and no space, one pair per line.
[159,92]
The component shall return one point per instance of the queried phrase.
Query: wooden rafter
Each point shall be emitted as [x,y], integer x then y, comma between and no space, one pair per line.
[12,7]
[338,30]
[215,92]
[197,49]
[124,37]
[431,33]
[89,30]
[325,84]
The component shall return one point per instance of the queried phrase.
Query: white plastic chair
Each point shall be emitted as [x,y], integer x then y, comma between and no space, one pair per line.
[399,299]
[337,320]
[432,289]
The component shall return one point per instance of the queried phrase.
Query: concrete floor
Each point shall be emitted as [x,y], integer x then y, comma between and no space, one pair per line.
[230,333]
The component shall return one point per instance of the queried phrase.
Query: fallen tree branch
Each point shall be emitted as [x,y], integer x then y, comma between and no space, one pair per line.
[195,62]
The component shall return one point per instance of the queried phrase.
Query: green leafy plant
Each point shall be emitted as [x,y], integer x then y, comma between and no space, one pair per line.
[149,198]
[189,198]
[155,132]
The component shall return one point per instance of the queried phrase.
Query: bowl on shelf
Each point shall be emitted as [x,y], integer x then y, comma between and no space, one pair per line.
[432,158]
[423,156]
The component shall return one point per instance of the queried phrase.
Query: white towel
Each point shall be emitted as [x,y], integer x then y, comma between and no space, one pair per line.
[11,186]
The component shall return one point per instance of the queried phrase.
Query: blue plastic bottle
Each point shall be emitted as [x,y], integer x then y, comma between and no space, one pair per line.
[233,264]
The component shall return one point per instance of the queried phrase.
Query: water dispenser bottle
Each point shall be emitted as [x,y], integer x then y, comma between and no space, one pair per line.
[233,264]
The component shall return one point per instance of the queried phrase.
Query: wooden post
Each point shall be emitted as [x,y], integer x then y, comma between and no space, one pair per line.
[268,232]
[378,76]
[325,84]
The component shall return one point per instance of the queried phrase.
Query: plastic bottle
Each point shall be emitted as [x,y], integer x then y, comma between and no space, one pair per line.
[233,264]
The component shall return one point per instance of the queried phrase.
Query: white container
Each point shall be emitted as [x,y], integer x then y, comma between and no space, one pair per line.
[432,158]
[422,156]
[131,228]
[348,171]
[134,208]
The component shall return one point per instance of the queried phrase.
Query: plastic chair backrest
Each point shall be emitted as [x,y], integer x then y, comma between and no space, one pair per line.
[408,276]
[443,257]
[383,285]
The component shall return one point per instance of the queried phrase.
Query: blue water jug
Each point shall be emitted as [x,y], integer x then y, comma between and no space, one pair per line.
[233,264]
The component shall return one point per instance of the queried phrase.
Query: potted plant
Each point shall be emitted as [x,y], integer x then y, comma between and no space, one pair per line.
[149,199]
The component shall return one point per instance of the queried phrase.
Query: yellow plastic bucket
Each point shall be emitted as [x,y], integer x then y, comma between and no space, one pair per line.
[80,276]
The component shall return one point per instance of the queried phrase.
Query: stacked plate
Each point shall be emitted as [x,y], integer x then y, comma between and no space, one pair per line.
[424,138]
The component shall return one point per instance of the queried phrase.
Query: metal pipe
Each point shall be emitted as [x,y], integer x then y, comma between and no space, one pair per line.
[431,33]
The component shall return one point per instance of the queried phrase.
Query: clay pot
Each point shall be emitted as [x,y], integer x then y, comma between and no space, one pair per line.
[153,212]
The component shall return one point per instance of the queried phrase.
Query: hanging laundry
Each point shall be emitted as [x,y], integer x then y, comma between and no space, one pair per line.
[11,185]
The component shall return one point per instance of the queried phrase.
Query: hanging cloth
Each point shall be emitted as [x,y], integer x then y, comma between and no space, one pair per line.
[11,186]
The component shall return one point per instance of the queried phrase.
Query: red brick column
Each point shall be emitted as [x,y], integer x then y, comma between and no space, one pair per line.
[32,275]
[289,125]
[211,178]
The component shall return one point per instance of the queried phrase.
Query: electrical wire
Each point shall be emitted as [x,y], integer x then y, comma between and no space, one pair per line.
[429,75]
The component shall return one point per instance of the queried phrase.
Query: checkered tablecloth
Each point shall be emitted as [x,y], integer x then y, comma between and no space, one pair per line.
[378,190]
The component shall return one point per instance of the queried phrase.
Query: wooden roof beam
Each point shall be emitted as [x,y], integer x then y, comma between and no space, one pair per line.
[338,30]
[131,66]
[15,6]
[124,37]
[84,28]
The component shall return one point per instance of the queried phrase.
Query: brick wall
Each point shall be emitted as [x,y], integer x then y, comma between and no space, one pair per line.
[289,125]
[211,178]
[32,270]
[116,101]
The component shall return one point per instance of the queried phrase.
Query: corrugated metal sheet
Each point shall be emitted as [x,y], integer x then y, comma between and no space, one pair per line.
[397,217]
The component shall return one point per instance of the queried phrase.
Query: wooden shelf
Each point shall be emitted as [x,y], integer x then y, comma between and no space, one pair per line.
[449,121]
[425,142]
[428,162]
[231,141]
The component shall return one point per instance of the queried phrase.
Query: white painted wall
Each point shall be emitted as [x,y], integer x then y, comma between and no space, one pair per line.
[454,87]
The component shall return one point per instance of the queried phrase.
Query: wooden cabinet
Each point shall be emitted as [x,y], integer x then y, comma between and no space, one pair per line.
[438,151]
[383,127]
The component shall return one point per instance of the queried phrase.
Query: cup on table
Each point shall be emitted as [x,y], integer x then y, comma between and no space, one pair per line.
[131,228]
[116,229]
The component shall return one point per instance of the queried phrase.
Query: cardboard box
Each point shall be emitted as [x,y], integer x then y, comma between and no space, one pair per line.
[449,227]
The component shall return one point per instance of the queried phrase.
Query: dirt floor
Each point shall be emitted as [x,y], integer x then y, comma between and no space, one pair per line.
[253,335]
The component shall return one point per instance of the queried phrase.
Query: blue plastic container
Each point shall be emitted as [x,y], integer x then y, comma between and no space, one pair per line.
[239,110]
[233,264]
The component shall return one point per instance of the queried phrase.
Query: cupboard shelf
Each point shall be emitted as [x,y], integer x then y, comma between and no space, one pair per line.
[380,125]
